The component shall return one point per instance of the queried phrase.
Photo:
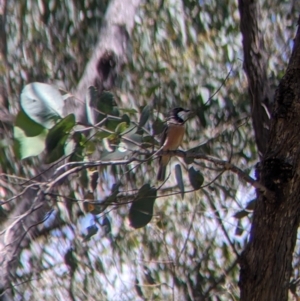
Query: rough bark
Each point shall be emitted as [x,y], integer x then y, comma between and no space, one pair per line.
[266,263]
[106,62]
[255,66]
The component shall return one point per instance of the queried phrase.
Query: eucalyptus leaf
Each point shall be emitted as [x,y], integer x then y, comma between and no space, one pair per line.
[241,214]
[144,116]
[179,179]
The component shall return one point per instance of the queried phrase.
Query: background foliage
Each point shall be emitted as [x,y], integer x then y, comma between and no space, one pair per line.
[184,53]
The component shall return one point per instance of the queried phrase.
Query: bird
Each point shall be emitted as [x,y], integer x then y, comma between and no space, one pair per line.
[171,138]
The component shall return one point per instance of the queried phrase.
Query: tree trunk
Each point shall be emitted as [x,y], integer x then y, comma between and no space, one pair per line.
[255,66]
[106,62]
[266,263]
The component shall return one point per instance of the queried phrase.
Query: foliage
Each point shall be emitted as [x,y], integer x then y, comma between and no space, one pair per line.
[182,53]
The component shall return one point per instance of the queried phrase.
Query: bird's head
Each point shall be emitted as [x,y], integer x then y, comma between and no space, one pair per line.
[180,115]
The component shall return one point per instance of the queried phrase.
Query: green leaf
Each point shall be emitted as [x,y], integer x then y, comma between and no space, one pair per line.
[148,141]
[29,137]
[57,137]
[121,127]
[78,146]
[106,103]
[144,116]
[103,134]
[125,118]
[196,178]
[59,131]
[42,103]
[141,210]
[179,179]
[241,214]
[129,111]
[152,89]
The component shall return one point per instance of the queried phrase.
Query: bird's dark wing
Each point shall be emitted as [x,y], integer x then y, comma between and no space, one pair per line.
[163,136]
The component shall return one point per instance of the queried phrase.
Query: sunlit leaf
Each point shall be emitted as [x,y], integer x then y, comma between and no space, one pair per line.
[128,111]
[29,137]
[90,101]
[42,103]
[121,127]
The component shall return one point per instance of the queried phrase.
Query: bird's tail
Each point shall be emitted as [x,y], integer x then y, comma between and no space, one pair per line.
[163,162]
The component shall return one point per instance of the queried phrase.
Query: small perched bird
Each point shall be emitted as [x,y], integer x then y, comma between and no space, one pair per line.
[172,138]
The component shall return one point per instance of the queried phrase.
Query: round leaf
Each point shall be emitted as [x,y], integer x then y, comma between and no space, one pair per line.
[42,103]
[141,210]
